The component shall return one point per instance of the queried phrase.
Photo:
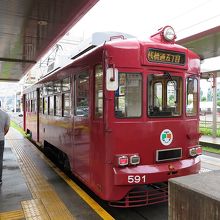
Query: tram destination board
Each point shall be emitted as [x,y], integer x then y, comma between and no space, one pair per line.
[165,56]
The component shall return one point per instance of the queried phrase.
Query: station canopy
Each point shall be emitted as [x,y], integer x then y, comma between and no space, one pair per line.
[207,45]
[28,28]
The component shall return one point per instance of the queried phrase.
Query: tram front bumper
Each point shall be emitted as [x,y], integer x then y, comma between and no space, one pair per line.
[161,172]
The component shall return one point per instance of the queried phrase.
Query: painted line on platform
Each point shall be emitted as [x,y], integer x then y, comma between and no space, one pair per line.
[12,215]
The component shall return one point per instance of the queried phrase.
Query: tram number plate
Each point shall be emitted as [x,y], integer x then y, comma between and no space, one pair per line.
[137,179]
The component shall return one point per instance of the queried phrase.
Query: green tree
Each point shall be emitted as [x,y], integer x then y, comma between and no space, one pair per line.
[203,99]
[209,95]
[201,94]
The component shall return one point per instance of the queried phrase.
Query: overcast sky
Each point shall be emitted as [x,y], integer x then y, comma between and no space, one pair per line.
[142,17]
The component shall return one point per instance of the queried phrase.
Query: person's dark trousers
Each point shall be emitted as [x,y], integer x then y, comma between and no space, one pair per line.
[1,158]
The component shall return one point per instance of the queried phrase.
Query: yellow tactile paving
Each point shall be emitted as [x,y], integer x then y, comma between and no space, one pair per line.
[12,215]
[34,209]
[46,203]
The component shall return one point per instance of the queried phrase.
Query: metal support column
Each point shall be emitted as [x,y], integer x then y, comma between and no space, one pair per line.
[214,116]
[15,103]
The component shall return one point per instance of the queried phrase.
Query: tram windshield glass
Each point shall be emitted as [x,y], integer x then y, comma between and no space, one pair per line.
[164,95]
[128,96]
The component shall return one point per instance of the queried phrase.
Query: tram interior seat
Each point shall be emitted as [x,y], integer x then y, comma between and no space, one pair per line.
[155,111]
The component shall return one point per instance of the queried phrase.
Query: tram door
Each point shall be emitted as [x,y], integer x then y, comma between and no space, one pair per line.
[81,131]
[97,128]
[24,111]
[37,110]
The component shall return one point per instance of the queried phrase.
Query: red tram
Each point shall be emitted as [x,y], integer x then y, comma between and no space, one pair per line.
[123,116]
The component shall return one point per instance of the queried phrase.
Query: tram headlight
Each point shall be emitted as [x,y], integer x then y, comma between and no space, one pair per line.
[195,151]
[134,159]
[169,33]
[192,152]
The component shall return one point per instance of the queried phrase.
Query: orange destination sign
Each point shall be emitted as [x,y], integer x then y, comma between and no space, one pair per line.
[165,56]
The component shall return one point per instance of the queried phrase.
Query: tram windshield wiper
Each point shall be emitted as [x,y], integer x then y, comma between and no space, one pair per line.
[168,76]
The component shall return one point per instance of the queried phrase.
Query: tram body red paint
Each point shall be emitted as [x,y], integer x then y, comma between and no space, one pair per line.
[93,126]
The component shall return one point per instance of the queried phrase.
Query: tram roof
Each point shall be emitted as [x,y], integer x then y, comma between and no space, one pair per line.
[96,39]
[28,28]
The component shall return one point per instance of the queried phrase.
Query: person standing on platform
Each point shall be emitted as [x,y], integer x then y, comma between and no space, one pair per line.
[4,127]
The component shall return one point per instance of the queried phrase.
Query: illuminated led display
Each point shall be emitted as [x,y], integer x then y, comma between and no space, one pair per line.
[165,56]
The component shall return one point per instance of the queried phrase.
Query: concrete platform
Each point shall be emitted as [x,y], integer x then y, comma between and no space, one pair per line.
[14,188]
[34,188]
[210,141]
[195,197]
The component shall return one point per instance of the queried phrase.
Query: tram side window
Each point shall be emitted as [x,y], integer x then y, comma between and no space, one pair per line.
[27,106]
[98,91]
[33,105]
[28,103]
[57,86]
[58,105]
[44,90]
[82,94]
[41,101]
[66,104]
[34,95]
[51,105]
[41,105]
[128,97]
[66,84]
[45,105]
[50,89]
[191,96]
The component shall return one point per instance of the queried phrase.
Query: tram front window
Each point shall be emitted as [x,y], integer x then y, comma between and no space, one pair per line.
[128,97]
[164,95]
